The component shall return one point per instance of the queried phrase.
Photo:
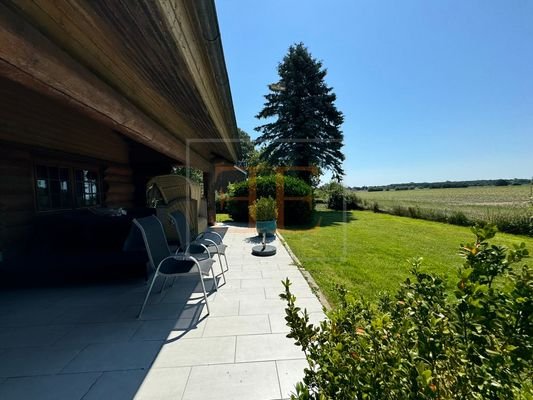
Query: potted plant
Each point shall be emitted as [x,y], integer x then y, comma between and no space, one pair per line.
[264,212]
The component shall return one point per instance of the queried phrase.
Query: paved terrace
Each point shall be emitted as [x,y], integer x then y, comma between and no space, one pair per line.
[86,343]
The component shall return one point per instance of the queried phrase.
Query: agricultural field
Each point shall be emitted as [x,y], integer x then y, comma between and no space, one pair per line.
[510,207]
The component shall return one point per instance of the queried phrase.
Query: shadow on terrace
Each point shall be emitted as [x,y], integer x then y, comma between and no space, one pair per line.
[72,340]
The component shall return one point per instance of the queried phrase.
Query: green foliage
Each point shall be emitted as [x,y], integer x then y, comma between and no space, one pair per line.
[221,202]
[501,182]
[258,163]
[246,147]
[193,174]
[263,209]
[423,344]
[339,198]
[305,131]
[296,211]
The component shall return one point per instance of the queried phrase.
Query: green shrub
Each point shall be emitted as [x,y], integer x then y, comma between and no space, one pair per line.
[422,343]
[295,211]
[263,209]
[458,218]
[339,198]
[221,202]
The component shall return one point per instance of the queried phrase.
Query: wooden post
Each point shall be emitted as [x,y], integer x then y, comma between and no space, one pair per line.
[209,192]
[252,192]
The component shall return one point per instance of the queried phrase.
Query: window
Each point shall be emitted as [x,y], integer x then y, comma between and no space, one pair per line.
[53,188]
[63,188]
[86,188]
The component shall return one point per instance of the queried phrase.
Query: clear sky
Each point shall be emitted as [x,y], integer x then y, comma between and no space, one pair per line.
[430,90]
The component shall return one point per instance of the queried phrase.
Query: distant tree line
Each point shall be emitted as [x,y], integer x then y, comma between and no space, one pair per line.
[442,185]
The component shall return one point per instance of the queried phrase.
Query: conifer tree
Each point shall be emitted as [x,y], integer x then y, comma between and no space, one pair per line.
[305,130]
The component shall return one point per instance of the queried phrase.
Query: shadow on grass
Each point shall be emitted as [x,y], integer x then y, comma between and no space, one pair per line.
[325,218]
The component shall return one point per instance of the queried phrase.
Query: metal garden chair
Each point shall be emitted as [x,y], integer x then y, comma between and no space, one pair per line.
[167,264]
[208,239]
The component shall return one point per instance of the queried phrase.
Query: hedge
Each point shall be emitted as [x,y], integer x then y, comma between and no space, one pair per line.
[296,212]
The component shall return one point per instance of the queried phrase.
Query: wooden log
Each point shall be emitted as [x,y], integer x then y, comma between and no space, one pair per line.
[32,59]
[120,171]
[14,155]
[17,201]
[122,204]
[15,186]
[17,218]
[111,179]
[118,198]
[121,188]
[15,171]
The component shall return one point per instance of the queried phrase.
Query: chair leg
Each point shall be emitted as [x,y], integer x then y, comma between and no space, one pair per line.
[147,295]
[226,260]
[215,283]
[221,267]
[203,288]
[163,285]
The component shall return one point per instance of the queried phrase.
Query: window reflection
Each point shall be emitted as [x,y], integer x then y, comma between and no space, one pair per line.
[60,188]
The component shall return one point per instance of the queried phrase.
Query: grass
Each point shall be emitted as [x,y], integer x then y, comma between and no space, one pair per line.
[368,252]
[223,217]
[510,207]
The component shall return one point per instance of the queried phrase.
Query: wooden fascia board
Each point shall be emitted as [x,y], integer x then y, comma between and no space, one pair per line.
[67,22]
[181,21]
[31,59]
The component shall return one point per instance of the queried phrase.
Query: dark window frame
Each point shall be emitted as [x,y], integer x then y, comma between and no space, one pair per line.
[73,202]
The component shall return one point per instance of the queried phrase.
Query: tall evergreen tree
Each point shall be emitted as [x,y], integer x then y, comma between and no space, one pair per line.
[306,130]
[247,148]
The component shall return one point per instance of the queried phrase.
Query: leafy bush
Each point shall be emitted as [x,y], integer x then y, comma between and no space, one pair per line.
[458,218]
[339,198]
[295,211]
[423,344]
[221,202]
[263,209]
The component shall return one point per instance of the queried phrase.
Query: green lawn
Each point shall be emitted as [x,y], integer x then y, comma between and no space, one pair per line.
[223,217]
[369,252]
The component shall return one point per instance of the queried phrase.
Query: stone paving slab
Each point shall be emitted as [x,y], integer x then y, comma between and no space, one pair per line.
[86,342]
[243,381]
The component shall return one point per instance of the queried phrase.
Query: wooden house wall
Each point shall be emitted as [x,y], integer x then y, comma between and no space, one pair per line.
[32,119]
[16,198]
[35,129]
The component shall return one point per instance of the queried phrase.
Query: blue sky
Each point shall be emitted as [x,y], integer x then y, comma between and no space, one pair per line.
[430,90]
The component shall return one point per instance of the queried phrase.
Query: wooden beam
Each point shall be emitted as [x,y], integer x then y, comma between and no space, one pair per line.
[182,19]
[28,57]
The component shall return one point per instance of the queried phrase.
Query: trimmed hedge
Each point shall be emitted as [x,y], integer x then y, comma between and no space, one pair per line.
[422,343]
[297,212]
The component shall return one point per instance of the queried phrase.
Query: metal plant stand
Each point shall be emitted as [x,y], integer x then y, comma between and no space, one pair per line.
[263,249]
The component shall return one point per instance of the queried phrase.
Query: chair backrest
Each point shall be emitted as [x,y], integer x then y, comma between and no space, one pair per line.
[182,227]
[154,239]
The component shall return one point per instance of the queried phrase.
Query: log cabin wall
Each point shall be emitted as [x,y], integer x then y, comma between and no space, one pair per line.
[16,199]
[118,187]
[36,130]
[32,119]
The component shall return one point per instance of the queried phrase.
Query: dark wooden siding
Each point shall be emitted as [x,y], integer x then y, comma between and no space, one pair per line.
[35,129]
[31,119]
[16,198]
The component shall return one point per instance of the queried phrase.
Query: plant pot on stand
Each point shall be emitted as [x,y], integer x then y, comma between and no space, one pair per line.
[264,212]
